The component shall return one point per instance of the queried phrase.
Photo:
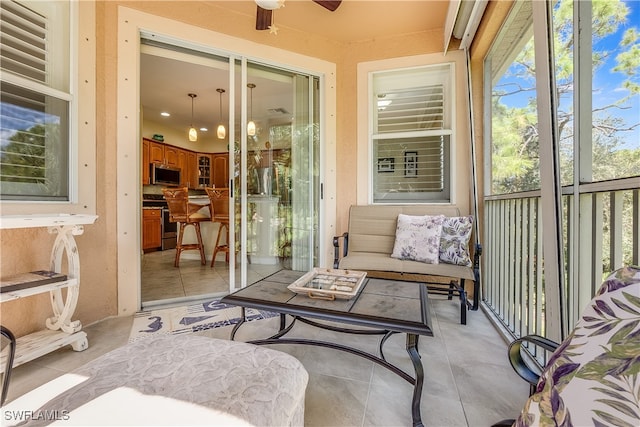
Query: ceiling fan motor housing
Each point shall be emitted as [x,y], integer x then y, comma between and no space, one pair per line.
[270,4]
[264,13]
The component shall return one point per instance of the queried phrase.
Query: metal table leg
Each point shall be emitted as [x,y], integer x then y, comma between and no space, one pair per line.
[411,345]
[243,318]
[412,349]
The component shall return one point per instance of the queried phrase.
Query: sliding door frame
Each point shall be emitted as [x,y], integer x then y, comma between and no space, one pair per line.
[131,23]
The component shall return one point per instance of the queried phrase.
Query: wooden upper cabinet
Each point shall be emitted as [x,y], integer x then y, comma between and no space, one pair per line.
[192,169]
[199,170]
[171,155]
[145,162]
[181,156]
[156,152]
[220,172]
[204,170]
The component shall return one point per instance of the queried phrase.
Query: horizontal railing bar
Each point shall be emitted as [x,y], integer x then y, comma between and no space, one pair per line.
[610,185]
[521,195]
[621,184]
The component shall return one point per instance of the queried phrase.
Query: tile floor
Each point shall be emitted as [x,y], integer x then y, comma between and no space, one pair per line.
[468,380]
[161,281]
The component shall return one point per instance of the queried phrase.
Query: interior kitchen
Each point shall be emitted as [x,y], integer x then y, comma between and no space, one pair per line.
[185,143]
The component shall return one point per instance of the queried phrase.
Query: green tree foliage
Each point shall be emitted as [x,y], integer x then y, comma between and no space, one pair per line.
[31,162]
[23,159]
[515,145]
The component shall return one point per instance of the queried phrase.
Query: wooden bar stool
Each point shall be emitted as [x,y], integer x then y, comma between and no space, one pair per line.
[185,213]
[219,198]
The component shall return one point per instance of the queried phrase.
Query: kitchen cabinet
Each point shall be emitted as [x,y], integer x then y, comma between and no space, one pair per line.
[192,169]
[199,170]
[156,152]
[145,162]
[162,153]
[220,164]
[204,170]
[171,155]
[183,165]
[151,228]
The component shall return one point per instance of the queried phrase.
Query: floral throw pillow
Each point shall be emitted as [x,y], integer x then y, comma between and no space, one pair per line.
[454,241]
[418,238]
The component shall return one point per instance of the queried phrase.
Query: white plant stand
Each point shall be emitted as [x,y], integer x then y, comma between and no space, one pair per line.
[60,330]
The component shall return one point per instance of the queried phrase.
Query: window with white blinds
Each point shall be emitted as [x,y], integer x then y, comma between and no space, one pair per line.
[411,135]
[35,100]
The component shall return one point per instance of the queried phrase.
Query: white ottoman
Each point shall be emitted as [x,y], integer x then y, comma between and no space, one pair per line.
[176,380]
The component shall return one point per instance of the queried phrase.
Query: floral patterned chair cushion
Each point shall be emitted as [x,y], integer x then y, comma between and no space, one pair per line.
[593,377]
[418,238]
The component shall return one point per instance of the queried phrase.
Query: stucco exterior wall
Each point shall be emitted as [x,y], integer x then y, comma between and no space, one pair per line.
[351,55]
[29,249]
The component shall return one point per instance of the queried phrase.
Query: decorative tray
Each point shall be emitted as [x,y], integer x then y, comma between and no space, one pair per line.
[329,284]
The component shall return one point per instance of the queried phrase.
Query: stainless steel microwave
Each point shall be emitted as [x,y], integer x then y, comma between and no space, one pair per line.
[165,175]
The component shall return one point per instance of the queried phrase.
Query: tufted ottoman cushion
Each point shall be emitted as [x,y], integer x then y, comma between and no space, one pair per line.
[181,380]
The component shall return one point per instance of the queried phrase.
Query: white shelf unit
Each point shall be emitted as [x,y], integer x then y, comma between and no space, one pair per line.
[60,330]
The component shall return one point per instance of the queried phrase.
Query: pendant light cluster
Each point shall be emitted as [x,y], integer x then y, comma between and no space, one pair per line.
[251,126]
[193,133]
[222,132]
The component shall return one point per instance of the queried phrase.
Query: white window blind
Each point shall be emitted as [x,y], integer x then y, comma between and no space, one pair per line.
[24,41]
[419,168]
[412,109]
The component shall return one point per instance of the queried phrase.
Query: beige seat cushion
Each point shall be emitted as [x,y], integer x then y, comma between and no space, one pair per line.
[371,261]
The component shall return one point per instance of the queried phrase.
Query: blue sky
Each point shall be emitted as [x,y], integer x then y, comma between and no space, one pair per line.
[15,118]
[607,84]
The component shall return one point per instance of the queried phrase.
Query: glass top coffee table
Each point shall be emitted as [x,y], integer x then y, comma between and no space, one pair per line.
[384,306]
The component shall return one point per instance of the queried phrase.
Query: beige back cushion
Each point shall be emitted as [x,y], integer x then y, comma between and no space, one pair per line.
[373,228]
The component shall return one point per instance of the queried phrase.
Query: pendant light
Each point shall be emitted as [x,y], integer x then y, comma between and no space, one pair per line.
[222,132]
[251,126]
[193,133]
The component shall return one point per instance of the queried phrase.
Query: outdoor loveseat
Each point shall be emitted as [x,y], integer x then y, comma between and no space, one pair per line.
[372,237]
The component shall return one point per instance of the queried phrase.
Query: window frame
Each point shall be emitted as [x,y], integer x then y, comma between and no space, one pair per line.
[442,73]
[460,148]
[81,198]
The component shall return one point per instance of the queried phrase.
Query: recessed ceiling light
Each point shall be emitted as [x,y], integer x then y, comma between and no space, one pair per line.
[165,114]
[204,129]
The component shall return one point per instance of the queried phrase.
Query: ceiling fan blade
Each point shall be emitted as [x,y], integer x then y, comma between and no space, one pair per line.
[330,5]
[263,18]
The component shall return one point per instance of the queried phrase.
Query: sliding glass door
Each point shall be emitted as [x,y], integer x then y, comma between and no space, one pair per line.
[276,171]
[257,146]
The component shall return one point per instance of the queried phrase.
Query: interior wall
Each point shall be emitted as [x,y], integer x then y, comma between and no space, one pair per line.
[98,245]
